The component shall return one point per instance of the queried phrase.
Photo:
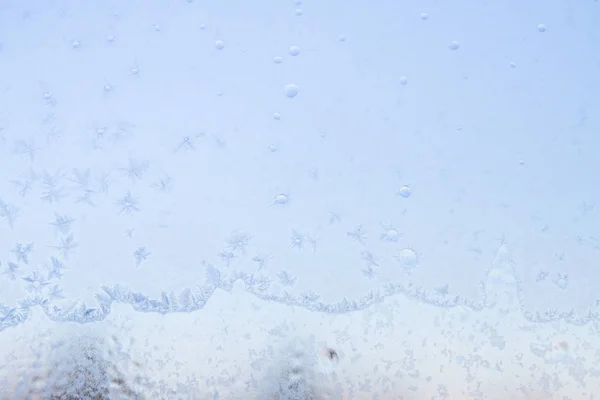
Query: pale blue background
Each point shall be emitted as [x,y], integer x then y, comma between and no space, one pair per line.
[497,139]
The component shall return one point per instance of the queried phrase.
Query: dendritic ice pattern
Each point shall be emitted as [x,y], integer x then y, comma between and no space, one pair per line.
[332,157]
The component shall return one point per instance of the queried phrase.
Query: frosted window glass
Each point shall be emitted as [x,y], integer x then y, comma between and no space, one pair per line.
[299,200]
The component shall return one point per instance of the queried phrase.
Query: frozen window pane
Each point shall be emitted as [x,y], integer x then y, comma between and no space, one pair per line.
[299,200]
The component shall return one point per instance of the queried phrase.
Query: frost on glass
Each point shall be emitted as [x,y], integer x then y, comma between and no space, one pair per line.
[299,200]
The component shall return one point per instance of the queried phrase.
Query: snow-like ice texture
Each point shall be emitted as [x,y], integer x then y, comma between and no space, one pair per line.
[74,367]
[299,372]
[86,366]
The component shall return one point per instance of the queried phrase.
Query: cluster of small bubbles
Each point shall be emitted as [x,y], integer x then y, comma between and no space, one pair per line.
[276,116]
[424,16]
[342,38]
[298,12]
[403,80]
[513,64]
[541,28]
[277,60]
[454,45]
[294,51]
[290,90]
[156,27]
[219,45]
[110,39]
[405,191]
[75,44]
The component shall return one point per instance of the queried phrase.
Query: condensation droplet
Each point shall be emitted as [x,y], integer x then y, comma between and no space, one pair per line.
[424,16]
[135,71]
[513,65]
[75,44]
[277,60]
[342,38]
[403,80]
[281,199]
[202,27]
[219,45]
[407,258]
[405,191]
[392,235]
[541,28]
[294,51]
[454,45]
[276,116]
[157,27]
[110,39]
[298,12]
[108,88]
[291,90]
[272,148]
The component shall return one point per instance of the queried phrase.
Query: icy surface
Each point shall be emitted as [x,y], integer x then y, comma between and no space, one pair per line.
[197,199]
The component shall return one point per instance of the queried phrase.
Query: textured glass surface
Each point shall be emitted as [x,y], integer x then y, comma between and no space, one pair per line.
[299,200]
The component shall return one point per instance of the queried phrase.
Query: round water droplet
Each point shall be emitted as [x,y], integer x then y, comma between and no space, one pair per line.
[281,199]
[513,65]
[277,60]
[47,96]
[108,88]
[276,116]
[407,258]
[403,80]
[342,38]
[298,12]
[298,2]
[424,16]
[405,191]
[392,235]
[521,162]
[135,71]
[291,90]
[75,44]
[219,45]
[562,283]
[156,27]
[202,27]
[294,51]
[454,45]
[541,28]
[272,148]
[110,39]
